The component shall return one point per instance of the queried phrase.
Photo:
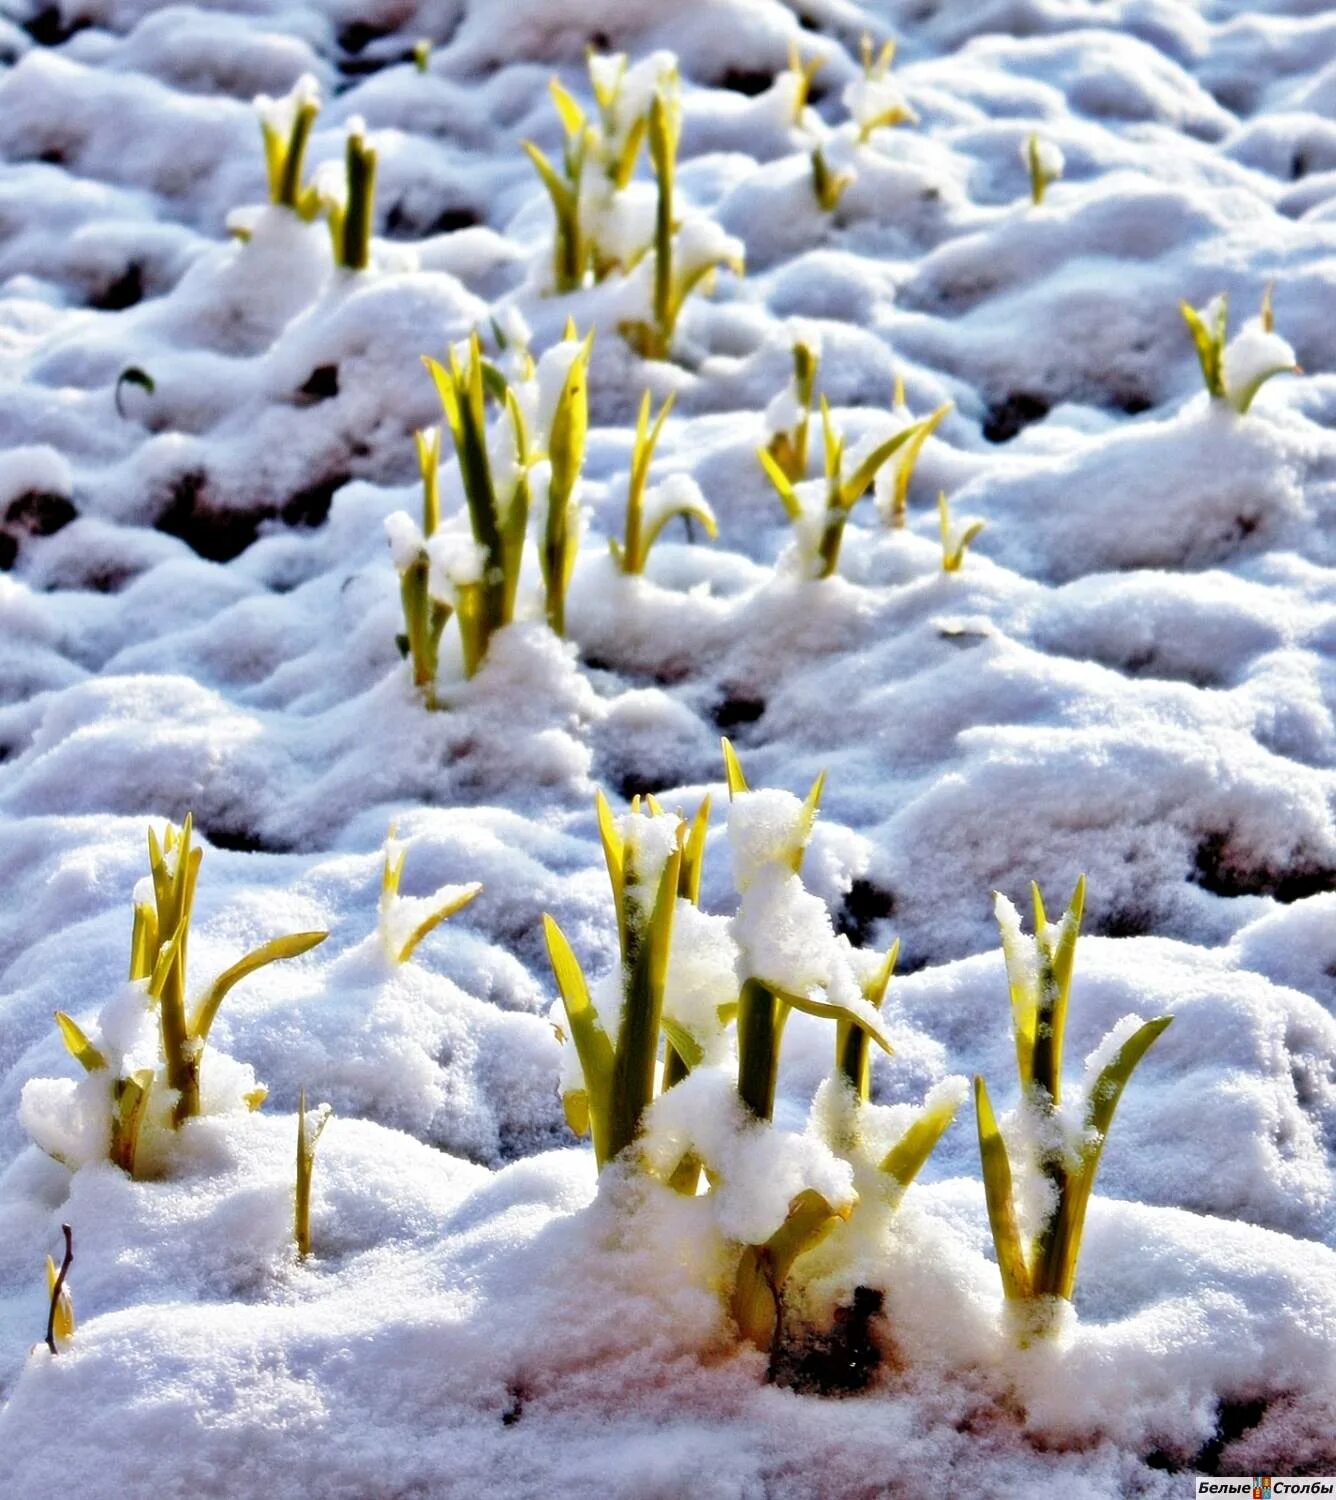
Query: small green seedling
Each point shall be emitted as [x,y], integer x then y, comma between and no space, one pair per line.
[821,536]
[788,447]
[1038,1277]
[286,126]
[763,1006]
[351,217]
[425,617]
[1044,162]
[758,1288]
[484,596]
[954,544]
[802,73]
[422,54]
[895,503]
[1237,371]
[828,186]
[404,921]
[619,140]
[679,497]
[565,453]
[571,249]
[307,1138]
[158,956]
[619,1076]
[875,100]
[131,375]
[60,1305]
[684,258]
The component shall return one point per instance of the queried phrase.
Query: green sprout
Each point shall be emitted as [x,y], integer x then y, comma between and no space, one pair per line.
[1043,161]
[802,73]
[763,1005]
[788,447]
[158,958]
[60,1305]
[565,453]
[422,54]
[485,588]
[425,617]
[1038,1277]
[286,126]
[679,496]
[131,375]
[686,256]
[571,249]
[1237,371]
[821,536]
[875,99]
[828,186]
[954,544]
[404,921]
[893,485]
[618,145]
[758,1287]
[619,1076]
[307,1137]
[351,217]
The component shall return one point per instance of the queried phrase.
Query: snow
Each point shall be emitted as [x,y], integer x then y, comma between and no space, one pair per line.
[1131,677]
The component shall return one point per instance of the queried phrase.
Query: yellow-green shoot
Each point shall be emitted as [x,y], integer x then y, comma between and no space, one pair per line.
[619,1076]
[425,617]
[565,454]
[821,536]
[1236,371]
[286,126]
[828,186]
[571,250]
[954,543]
[422,54]
[60,1305]
[758,1287]
[307,1137]
[789,445]
[1044,162]
[484,597]
[875,99]
[764,1006]
[1039,1276]
[685,257]
[894,482]
[678,497]
[351,216]
[405,920]
[158,957]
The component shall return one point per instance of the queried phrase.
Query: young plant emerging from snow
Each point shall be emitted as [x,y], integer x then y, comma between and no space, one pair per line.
[644,854]
[828,185]
[685,255]
[954,543]
[351,208]
[307,1138]
[405,920]
[565,370]
[893,481]
[789,416]
[875,99]
[1044,162]
[1236,371]
[648,514]
[571,251]
[820,534]
[158,945]
[1063,1146]
[286,126]
[425,617]
[796,82]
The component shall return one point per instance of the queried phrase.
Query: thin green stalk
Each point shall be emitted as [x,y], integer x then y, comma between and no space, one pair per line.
[359,215]
[761,1018]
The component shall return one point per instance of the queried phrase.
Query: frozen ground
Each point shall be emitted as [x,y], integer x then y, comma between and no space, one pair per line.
[1133,676]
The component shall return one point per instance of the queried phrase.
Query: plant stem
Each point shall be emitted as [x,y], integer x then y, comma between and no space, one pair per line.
[59,1286]
[761,1017]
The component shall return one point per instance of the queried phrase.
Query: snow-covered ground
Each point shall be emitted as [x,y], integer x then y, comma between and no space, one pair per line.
[1133,676]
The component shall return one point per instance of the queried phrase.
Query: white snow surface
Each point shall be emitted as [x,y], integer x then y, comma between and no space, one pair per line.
[1133,676]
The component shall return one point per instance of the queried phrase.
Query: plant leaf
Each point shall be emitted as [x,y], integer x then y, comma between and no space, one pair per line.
[737,782]
[281,947]
[591,1041]
[1011,1261]
[793,506]
[80,1048]
[434,919]
[905,1159]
